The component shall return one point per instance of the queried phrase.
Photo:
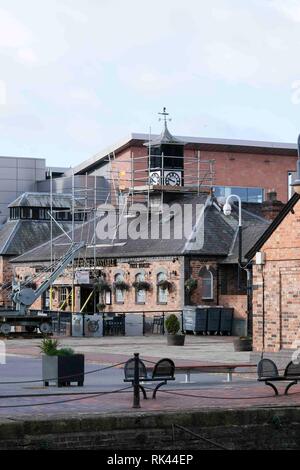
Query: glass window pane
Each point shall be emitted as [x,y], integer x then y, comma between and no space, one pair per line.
[242,192]
[255,195]
[207,285]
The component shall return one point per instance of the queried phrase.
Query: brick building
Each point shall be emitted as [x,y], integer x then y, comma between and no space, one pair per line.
[228,165]
[276,281]
[153,275]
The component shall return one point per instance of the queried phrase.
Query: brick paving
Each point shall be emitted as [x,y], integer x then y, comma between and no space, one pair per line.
[210,392]
[226,397]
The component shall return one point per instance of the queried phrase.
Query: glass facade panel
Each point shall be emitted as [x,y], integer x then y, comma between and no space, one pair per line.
[246,194]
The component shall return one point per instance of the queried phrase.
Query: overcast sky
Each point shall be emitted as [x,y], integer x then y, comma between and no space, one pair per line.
[78,75]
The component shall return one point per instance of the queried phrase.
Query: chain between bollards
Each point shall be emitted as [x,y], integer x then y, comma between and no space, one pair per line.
[136,382]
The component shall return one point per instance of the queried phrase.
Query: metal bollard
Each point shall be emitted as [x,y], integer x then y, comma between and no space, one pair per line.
[136,382]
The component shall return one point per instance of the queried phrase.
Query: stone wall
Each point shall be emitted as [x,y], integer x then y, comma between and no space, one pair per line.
[248,429]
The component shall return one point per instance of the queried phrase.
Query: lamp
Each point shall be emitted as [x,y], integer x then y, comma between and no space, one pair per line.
[296,184]
[227,211]
[227,208]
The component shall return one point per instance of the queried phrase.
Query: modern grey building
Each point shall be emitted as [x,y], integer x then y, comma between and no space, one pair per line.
[18,175]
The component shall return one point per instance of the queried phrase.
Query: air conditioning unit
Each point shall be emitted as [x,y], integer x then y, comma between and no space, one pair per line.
[260,257]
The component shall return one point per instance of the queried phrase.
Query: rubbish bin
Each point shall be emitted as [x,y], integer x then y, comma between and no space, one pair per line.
[226,321]
[213,320]
[201,320]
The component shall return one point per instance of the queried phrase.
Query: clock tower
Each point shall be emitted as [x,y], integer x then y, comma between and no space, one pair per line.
[166,156]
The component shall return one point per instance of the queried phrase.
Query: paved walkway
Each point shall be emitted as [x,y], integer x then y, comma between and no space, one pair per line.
[210,391]
[112,349]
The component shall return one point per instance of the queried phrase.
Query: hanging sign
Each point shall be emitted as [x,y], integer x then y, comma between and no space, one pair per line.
[82,277]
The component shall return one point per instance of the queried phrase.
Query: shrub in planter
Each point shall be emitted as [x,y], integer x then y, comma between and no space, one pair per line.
[172,327]
[61,365]
[244,343]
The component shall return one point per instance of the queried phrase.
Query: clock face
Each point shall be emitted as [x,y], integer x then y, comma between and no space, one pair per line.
[173,178]
[154,177]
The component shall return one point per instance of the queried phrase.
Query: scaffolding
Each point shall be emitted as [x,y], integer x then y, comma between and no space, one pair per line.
[131,183]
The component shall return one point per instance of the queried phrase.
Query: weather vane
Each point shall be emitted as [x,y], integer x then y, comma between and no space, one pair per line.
[164,118]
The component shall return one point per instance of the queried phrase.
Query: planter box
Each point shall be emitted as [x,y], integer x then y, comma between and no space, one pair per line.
[175,340]
[63,370]
[242,344]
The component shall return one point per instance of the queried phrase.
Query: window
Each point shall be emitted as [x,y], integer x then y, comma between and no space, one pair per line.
[63,296]
[162,293]
[15,213]
[26,213]
[140,294]
[41,214]
[246,194]
[119,293]
[207,285]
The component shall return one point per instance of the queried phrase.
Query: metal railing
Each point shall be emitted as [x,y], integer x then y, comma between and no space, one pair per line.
[111,323]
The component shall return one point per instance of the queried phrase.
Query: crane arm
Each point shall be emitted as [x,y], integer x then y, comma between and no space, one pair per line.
[27,296]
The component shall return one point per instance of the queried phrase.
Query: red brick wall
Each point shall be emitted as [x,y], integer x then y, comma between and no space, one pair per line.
[6,276]
[278,304]
[195,267]
[237,302]
[172,266]
[232,168]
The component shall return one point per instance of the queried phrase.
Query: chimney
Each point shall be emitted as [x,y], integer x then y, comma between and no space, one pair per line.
[271,206]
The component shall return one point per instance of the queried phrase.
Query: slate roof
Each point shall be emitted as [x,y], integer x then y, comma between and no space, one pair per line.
[164,138]
[219,236]
[19,236]
[44,200]
[253,226]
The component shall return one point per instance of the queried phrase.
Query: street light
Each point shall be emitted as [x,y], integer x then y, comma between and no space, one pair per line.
[227,211]
[296,184]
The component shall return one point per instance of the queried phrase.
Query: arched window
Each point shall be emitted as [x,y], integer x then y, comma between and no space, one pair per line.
[119,293]
[207,284]
[162,292]
[140,294]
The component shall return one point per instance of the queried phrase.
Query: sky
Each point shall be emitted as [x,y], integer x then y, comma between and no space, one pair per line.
[79,75]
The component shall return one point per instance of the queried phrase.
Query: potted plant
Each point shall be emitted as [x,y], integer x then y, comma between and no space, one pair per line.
[190,284]
[165,284]
[61,365]
[243,343]
[172,327]
[122,285]
[101,285]
[101,307]
[142,285]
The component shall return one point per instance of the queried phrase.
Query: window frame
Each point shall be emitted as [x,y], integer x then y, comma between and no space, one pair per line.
[161,276]
[209,273]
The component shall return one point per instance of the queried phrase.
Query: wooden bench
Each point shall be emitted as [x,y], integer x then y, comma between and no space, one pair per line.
[162,372]
[209,368]
[267,372]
